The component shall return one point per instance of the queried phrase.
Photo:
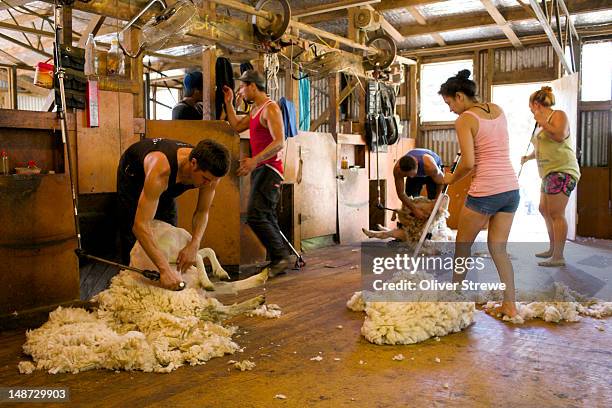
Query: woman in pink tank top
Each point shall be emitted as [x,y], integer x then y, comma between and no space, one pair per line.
[493,196]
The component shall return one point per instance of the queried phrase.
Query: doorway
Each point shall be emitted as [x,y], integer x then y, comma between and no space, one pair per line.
[529,225]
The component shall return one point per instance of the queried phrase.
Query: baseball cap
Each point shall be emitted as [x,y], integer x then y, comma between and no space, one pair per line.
[193,81]
[253,76]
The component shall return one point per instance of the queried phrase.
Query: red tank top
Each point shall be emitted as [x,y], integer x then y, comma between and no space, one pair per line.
[260,138]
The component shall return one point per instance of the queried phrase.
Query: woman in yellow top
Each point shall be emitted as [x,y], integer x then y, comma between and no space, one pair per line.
[558,168]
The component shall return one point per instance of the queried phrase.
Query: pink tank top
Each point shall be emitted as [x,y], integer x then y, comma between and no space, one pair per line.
[493,171]
[260,138]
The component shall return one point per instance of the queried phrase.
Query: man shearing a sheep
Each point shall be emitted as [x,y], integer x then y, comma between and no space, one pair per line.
[420,167]
[151,174]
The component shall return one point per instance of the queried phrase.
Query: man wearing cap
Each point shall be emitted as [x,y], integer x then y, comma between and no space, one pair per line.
[265,124]
[190,108]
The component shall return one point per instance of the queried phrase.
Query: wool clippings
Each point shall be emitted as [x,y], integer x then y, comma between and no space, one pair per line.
[137,326]
[411,322]
[244,365]
[271,311]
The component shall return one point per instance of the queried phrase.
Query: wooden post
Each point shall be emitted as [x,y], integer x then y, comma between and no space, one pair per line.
[292,92]
[66,25]
[490,68]
[209,58]
[137,74]
[414,99]
[334,107]
[12,85]
[356,35]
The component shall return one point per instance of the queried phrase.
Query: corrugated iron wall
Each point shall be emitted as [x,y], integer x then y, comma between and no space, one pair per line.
[30,102]
[442,141]
[319,101]
[482,81]
[279,92]
[514,59]
[594,137]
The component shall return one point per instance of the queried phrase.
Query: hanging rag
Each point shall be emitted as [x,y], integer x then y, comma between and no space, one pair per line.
[224,76]
[289,120]
[304,91]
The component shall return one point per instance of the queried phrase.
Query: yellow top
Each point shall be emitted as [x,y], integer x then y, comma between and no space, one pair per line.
[553,156]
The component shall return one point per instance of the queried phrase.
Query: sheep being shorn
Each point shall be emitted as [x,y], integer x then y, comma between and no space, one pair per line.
[136,326]
[397,322]
[412,227]
[139,326]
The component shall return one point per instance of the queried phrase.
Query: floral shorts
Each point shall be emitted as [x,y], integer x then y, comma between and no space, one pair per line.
[555,183]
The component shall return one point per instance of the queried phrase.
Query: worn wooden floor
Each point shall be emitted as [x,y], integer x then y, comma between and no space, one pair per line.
[491,364]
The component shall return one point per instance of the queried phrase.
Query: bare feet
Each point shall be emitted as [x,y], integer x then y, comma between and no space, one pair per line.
[553,263]
[545,254]
[506,309]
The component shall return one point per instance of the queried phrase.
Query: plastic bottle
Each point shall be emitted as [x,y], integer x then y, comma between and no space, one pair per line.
[91,60]
[344,163]
[114,58]
[5,163]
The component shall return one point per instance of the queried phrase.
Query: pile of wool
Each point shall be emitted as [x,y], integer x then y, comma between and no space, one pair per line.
[562,304]
[414,226]
[136,326]
[397,322]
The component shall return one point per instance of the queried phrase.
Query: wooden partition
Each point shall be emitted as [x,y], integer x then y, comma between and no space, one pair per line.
[317,189]
[594,214]
[386,162]
[38,266]
[99,149]
[223,231]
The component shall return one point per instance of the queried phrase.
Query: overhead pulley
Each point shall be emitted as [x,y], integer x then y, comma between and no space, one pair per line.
[386,50]
[274,26]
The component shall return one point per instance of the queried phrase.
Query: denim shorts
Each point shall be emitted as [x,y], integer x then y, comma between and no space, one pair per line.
[490,205]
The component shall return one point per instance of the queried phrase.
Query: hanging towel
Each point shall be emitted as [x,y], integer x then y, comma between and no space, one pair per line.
[223,76]
[288,111]
[304,88]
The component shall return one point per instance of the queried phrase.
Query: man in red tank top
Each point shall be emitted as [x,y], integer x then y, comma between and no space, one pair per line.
[265,124]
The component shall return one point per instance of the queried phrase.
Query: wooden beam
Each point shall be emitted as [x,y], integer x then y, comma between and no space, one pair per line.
[6,4]
[551,36]
[387,27]
[479,19]
[397,4]
[502,23]
[384,5]
[26,46]
[93,27]
[326,8]
[423,21]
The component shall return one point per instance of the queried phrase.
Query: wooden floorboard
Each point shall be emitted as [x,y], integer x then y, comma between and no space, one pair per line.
[491,364]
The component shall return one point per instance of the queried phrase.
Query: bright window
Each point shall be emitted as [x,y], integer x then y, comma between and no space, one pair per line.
[597,71]
[433,108]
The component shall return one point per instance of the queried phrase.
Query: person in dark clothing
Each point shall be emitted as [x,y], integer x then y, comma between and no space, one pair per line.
[420,167]
[267,139]
[190,108]
[151,174]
